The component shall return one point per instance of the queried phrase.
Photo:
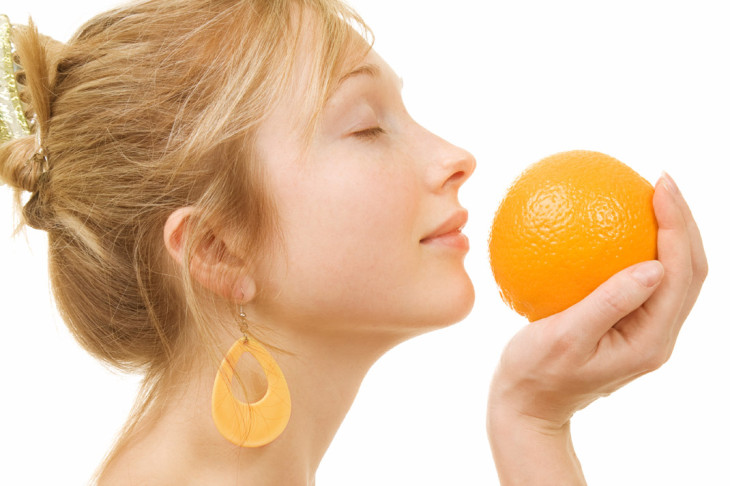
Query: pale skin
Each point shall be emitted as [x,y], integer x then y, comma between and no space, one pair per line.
[358,211]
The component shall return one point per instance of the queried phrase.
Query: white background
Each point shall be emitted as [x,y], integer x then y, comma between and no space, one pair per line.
[647,82]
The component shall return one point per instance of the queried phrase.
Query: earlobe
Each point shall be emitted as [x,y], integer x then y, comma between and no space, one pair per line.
[212,265]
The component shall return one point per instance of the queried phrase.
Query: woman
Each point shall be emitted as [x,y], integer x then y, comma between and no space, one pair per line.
[215,176]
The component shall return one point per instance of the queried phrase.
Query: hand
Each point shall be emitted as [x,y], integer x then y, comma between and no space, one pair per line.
[624,329]
[560,364]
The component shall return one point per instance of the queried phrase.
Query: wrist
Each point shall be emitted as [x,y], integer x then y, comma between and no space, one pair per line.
[532,451]
[531,403]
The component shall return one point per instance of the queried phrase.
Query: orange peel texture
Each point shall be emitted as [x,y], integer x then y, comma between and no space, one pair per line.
[566,225]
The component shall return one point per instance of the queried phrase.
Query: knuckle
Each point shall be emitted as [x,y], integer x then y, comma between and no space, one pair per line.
[654,360]
[700,270]
[563,343]
[614,302]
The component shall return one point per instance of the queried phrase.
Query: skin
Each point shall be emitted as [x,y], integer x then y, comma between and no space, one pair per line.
[355,209]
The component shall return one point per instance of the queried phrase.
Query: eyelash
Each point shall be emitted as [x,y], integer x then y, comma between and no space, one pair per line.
[370,133]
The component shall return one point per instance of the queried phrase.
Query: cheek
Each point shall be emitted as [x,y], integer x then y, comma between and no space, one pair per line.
[351,231]
[351,222]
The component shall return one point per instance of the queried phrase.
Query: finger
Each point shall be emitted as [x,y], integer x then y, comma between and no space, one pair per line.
[675,253]
[591,318]
[697,250]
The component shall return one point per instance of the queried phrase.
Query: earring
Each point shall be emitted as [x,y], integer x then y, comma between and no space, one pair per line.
[250,424]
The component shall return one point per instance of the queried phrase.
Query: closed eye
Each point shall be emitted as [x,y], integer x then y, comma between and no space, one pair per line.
[370,133]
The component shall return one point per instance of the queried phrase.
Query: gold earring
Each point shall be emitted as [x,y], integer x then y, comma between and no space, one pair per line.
[250,424]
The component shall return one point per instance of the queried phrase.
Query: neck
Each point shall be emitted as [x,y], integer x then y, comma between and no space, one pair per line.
[323,372]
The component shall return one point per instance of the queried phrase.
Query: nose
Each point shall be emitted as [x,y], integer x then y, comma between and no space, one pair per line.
[450,166]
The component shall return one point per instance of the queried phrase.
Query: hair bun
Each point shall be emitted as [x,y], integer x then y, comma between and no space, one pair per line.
[21,169]
[38,212]
[17,165]
[27,60]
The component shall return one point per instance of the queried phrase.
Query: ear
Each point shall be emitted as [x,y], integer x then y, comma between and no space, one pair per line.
[212,264]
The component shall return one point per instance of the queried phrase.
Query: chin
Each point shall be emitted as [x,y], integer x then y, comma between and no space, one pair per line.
[461,304]
[450,306]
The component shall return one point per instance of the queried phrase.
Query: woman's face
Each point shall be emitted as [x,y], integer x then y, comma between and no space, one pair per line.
[369,214]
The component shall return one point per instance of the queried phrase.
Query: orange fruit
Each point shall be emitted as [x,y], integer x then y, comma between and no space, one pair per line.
[566,225]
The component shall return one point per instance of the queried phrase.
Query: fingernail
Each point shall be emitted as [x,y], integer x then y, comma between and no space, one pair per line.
[669,183]
[648,274]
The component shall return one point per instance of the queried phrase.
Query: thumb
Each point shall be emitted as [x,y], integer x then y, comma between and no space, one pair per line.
[617,297]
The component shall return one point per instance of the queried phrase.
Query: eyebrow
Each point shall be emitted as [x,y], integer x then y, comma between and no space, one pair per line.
[365,69]
[371,70]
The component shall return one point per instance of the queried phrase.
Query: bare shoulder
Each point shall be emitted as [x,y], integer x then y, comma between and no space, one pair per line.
[135,466]
[150,462]
[146,462]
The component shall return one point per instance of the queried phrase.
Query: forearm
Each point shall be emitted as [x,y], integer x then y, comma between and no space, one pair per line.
[528,452]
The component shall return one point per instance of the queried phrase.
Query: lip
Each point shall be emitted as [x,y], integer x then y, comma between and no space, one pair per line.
[449,232]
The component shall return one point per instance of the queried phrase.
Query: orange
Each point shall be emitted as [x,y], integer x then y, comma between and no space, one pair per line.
[566,225]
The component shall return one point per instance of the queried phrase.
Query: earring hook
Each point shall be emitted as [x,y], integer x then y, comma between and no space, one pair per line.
[242,320]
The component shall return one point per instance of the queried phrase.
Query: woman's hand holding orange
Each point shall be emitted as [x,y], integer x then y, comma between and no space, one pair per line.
[624,329]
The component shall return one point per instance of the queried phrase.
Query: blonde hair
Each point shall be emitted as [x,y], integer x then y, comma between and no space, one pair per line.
[148,108]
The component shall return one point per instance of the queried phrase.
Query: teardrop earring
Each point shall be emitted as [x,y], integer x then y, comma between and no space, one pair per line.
[250,424]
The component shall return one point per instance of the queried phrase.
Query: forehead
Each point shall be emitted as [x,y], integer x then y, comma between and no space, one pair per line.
[323,54]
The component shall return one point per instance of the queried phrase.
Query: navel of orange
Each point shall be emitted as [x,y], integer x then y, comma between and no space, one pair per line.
[566,225]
